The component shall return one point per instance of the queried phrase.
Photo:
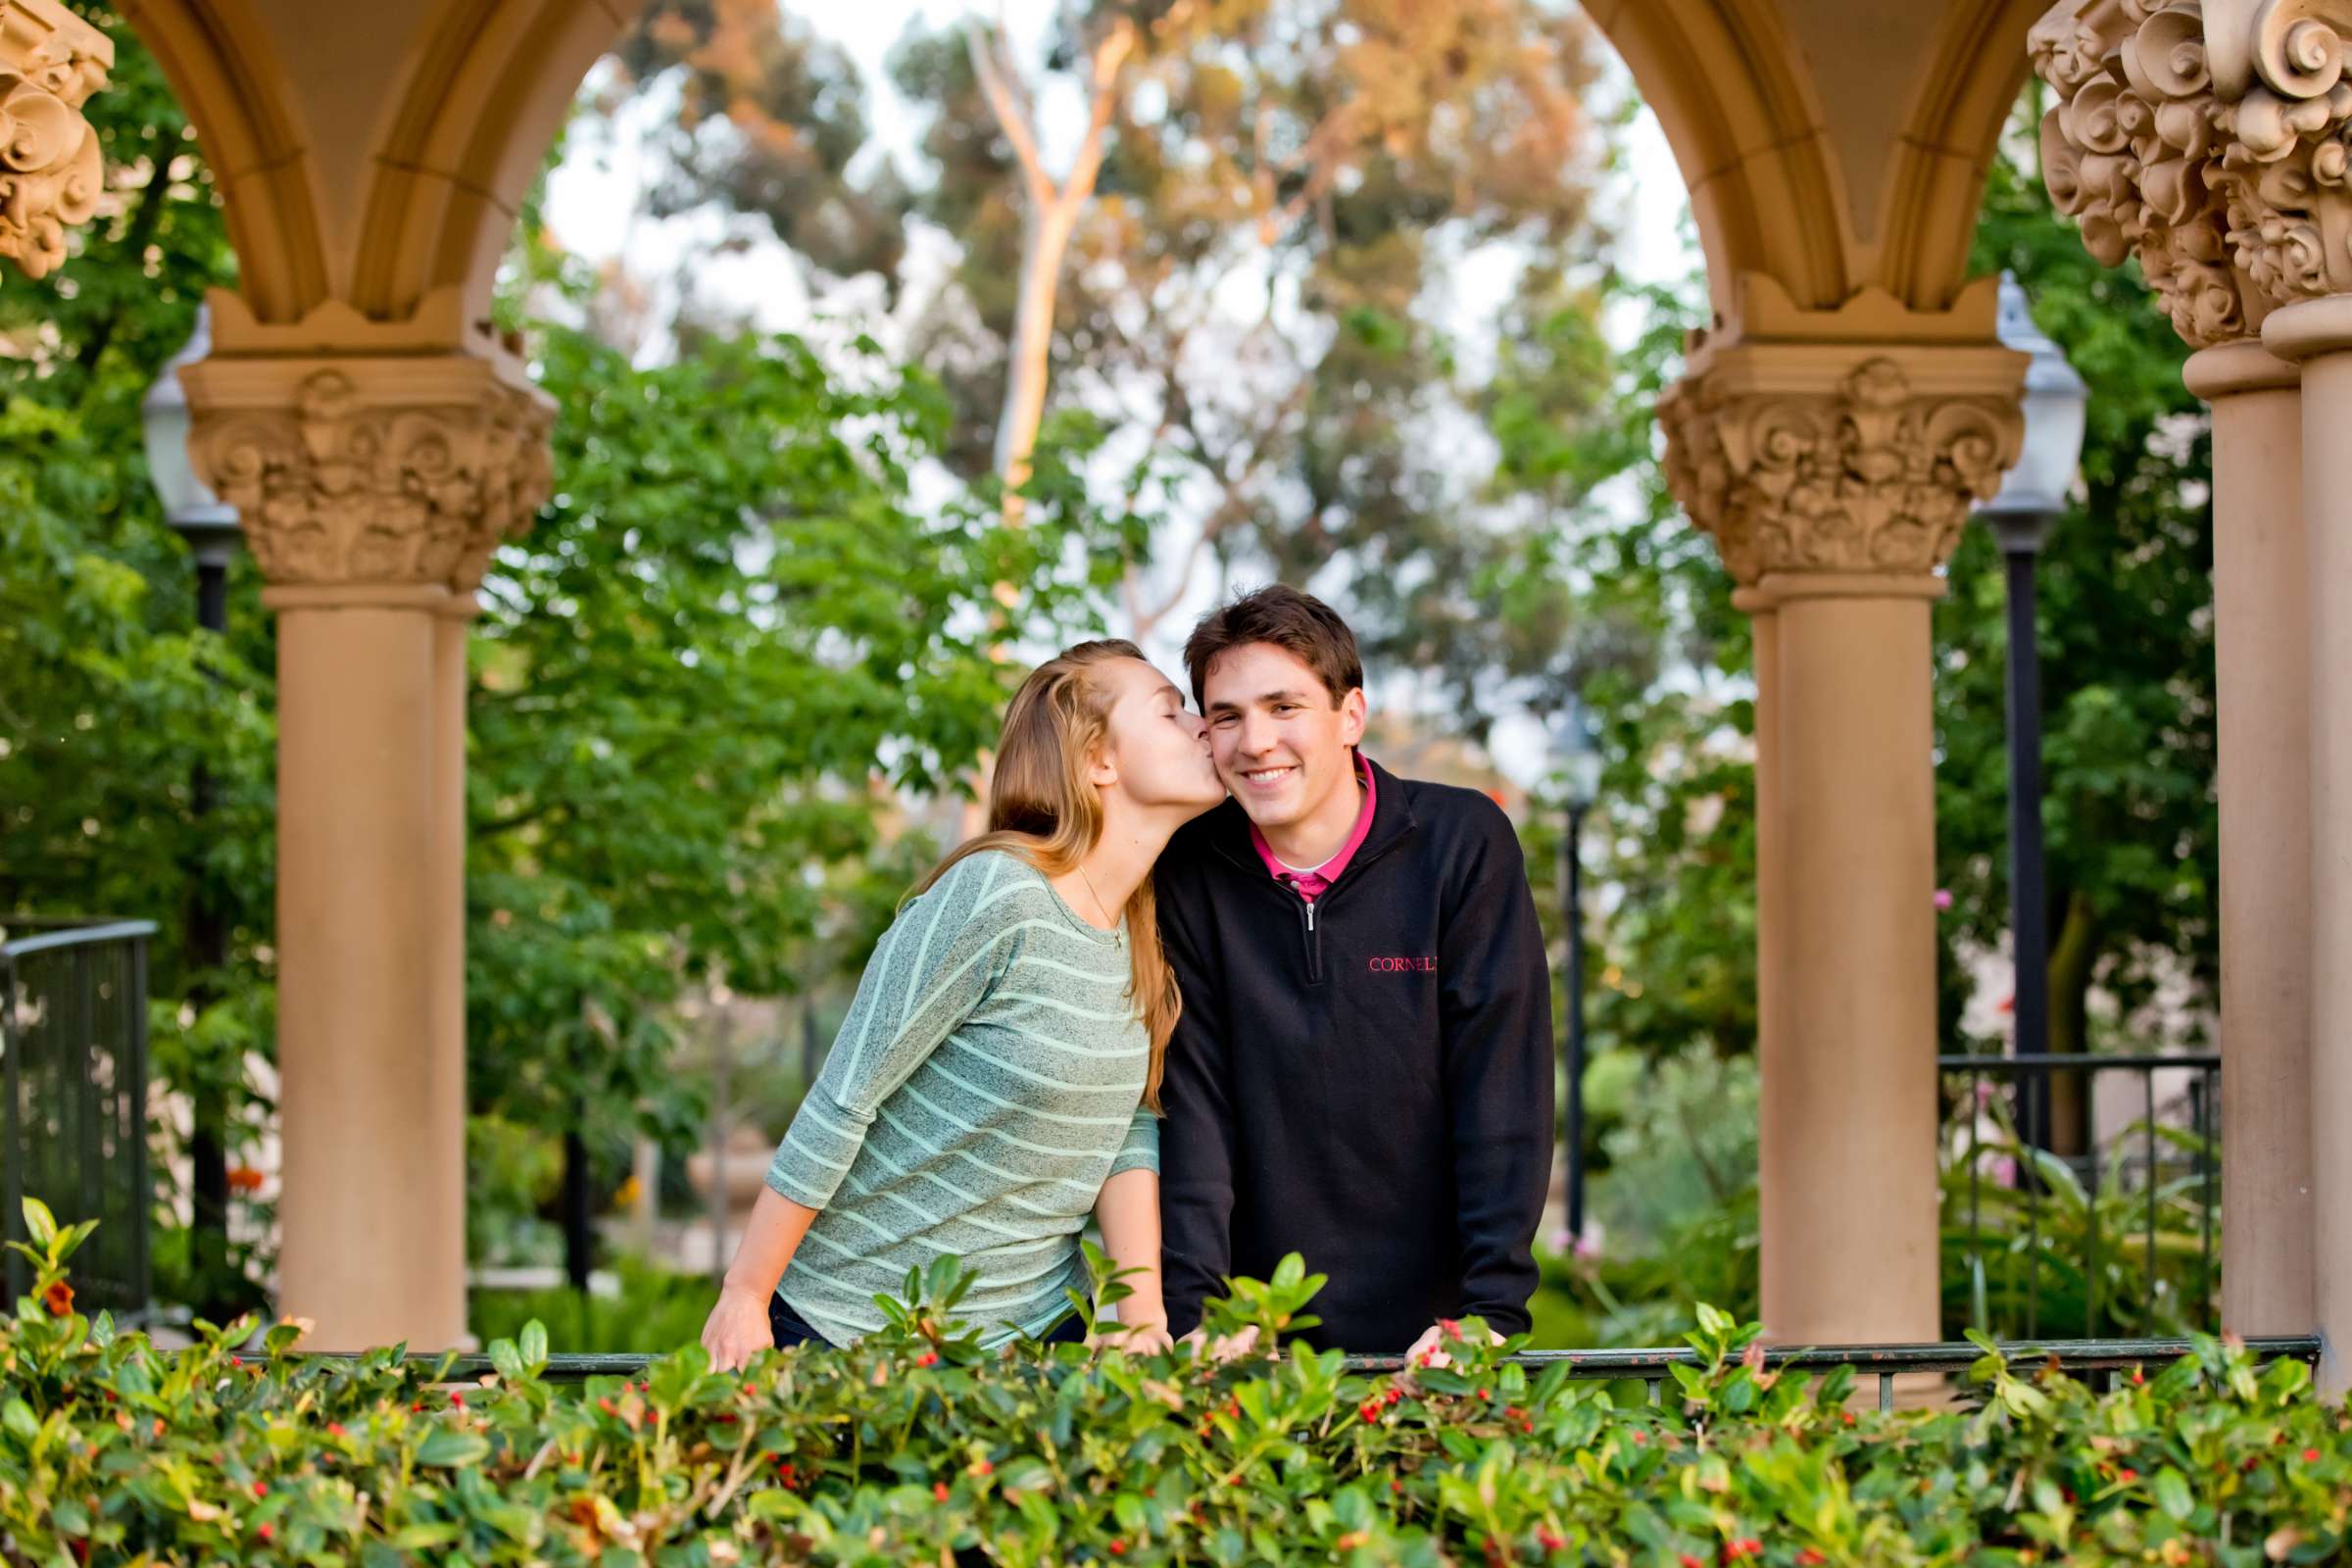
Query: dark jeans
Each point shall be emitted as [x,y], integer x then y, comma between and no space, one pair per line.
[789,1328]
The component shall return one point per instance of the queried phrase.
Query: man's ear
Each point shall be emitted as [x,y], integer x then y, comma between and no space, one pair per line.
[1354,714]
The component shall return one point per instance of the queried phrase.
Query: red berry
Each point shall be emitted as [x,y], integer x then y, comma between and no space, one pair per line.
[417,1408]
[264,1531]
[2310,1455]
[1395,1394]
[457,1399]
[1809,1559]
[939,1489]
[261,1488]
[982,1467]
[235,1361]
[1118,1548]
[927,1358]
[2127,1473]
[335,1429]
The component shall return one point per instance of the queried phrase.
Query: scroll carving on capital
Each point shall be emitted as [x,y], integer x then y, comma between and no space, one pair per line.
[51,171]
[1874,477]
[342,488]
[2212,137]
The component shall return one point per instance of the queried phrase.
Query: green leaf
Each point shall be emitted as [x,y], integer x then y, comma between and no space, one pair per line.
[2172,1495]
[451,1446]
[21,1423]
[1024,1475]
[39,1223]
[532,1344]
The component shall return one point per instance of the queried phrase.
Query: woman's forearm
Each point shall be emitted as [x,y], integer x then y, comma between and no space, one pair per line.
[1128,1211]
[774,1235]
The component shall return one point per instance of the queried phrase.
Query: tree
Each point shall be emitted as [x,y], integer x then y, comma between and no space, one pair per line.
[2126,639]
[768,120]
[1321,161]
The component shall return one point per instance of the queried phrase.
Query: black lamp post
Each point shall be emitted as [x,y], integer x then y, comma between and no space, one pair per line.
[210,530]
[2030,502]
[1577,749]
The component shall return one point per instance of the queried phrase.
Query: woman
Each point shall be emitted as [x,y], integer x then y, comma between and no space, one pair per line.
[997,1076]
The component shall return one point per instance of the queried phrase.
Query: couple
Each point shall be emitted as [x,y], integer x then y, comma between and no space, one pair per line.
[1313,1018]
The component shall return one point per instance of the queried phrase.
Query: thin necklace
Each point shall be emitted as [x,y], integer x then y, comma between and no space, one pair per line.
[1100,909]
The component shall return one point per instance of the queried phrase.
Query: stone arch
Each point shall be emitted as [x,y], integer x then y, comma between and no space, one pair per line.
[362,187]
[1873,185]
[220,59]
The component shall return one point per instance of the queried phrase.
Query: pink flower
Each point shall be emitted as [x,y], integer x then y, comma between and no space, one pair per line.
[1943,898]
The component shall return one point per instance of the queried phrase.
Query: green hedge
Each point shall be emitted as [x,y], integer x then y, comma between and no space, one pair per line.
[918,1446]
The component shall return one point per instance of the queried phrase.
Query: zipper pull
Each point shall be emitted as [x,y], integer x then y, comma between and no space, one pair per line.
[1310,914]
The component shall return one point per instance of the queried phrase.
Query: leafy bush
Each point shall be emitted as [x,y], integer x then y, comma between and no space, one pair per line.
[917,1445]
[656,1310]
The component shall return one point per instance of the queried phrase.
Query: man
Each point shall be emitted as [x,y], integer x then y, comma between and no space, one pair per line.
[1362,1072]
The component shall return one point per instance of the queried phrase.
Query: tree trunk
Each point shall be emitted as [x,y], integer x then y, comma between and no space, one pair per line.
[1029,355]
[2074,956]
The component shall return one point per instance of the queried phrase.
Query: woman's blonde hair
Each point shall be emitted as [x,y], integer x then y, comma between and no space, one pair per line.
[1042,808]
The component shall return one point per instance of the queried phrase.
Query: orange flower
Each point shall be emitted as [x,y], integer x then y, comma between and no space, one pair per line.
[58,1298]
[244,1179]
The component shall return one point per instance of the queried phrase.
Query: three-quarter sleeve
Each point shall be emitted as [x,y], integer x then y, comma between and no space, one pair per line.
[1141,1150]
[932,967]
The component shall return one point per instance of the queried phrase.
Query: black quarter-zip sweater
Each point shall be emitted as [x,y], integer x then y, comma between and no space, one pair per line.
[1366,1082]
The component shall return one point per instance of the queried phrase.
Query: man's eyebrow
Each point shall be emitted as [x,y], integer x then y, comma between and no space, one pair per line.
[1284,695]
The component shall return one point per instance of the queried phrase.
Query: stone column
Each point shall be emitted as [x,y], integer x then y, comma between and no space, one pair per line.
[1835,476]
[2317,334]
[444,1193]
[2209,141]
[1772,875]
[51,171]
[2263,683]
[364,482]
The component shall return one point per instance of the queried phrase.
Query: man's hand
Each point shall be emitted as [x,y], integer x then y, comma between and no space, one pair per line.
[1226,1346]
[1146,1336]
[737,1329]
[1430,1348]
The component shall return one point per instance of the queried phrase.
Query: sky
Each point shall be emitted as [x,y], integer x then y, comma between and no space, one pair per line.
[593,208]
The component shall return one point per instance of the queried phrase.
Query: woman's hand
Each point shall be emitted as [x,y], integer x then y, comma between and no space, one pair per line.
[737,1329]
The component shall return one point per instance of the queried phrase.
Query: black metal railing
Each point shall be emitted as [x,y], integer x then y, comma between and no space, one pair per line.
[74,1097]
[2115,1238]
[2095,1361]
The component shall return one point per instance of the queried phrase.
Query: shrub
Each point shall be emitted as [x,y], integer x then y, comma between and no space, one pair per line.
[917,1445]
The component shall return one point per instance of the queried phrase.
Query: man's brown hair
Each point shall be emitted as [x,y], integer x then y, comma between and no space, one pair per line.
[1298,623]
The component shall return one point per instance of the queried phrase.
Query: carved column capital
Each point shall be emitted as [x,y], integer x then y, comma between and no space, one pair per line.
[51,62]
[385,472]
[1837,459]
[2210,137]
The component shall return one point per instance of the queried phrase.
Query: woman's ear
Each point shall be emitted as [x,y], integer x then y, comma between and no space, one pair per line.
[1100,770]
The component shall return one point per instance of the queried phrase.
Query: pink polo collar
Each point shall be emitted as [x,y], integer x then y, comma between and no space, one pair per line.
[1310,885]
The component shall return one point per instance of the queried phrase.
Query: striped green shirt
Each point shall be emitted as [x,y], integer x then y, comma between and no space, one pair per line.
[988,1080]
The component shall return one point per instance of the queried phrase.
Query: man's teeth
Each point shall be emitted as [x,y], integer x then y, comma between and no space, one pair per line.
[1264,773]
